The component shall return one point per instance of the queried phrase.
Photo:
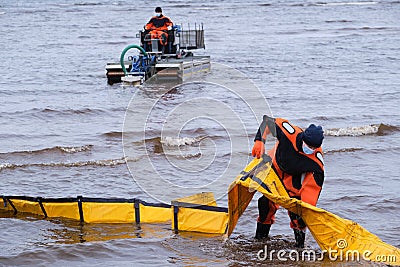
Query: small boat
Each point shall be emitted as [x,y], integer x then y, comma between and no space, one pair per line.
[175,61]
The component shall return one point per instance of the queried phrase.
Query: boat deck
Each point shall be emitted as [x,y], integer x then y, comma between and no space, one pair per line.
[165,68]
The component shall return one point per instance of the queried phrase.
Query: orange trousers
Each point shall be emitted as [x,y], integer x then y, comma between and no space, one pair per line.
[302,187]
[161,35]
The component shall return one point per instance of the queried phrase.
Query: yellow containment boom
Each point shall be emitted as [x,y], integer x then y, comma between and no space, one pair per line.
[331,232]
[199,213]
[196,213]
[89,210]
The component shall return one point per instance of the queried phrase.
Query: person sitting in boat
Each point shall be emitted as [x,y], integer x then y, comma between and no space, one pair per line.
[158,28]
[297,160]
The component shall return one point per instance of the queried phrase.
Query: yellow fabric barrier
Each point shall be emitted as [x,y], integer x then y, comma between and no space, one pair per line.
[329,230]
[22,206]
[66,210]
[4,206]
[108,212]
[199,213]
[202,221]
[204,198]
[155,214]
[27,206]
[239,197]
[198,216]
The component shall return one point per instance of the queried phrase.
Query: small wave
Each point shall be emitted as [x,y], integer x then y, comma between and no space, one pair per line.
[116,42]
[348,198]
[338,21]
[298,4]
[353,131]
[184,141]
[75,149]
[345,3]
[378,129]
[56,149]
[387,129]
[191,156]
[180,6]
[365,28]
[113,134]
[102,163]
[343,150]
[363,198]
[87,4]
[324,118]
[384,203]
[72,111]
[205,8]
[201,131]
[185,156]
[57,112]
[155,140]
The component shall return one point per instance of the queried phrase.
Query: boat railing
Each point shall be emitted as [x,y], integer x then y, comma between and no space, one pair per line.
[191,38]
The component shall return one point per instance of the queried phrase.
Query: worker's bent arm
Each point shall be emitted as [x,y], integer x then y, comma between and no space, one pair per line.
[267,126]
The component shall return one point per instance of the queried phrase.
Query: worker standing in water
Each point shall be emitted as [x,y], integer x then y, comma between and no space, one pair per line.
[297,160]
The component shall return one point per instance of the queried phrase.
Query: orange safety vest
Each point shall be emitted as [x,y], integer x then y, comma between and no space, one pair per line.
[159,23]
[291,132]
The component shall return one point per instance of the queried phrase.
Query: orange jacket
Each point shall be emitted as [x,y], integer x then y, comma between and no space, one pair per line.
[159,23]
[291,132]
